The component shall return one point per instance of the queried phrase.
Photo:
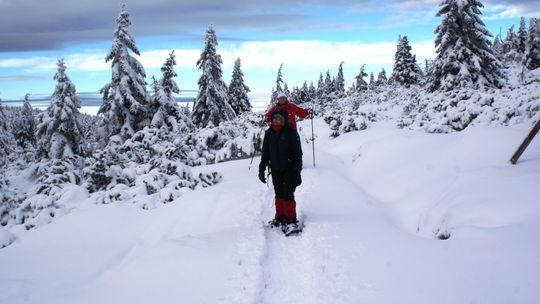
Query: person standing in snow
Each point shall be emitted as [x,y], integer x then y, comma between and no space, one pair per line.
[292,110]
[282,153]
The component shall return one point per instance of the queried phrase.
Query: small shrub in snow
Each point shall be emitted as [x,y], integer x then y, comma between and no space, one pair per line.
[456,110]
[147,169]
[230,140]
[41,203]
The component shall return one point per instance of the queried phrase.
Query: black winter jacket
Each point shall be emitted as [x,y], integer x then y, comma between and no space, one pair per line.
[282,152]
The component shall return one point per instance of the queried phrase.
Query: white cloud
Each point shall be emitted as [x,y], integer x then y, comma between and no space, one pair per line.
[506,11]
[318,55]
[298,54]
[24,62]
[303,60]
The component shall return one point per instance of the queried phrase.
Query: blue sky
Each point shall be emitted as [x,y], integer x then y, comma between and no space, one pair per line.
[309,37]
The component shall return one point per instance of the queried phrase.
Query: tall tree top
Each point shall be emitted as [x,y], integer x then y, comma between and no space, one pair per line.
[279,79]
[65,89]
[122,37]
[522,36]
[167,82]
[210,50]
[464,54]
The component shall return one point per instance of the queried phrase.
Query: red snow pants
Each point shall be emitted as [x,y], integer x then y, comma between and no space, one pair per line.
[284,187]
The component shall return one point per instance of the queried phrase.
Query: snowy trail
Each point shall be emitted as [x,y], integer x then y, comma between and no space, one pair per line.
[314,266]
[211,246]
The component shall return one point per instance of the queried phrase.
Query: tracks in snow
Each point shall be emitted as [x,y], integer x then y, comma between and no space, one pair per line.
[310,268]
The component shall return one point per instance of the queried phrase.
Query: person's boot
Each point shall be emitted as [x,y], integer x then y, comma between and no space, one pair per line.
[280,218]
[289,207]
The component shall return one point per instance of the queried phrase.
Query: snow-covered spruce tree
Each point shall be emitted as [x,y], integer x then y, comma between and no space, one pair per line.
[371,79]
[165,109]
[305,93]
[6,137]
[296,95]
[211,106]
[25,126]
[406,70]
[340,80]
[381,78]
[238,90]
[497,48]
[464,55]
[510,47]
[522,37]
[533,45]
[320,86]
[58,131]
[286,89]
[328,85]
[125,100]
[312,92]
[279,85]
[361,84]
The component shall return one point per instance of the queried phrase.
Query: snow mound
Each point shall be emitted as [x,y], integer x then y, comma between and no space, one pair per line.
[6,238]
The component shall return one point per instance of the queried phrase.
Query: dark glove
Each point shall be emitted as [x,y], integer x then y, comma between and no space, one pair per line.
[298,178]
[262,178]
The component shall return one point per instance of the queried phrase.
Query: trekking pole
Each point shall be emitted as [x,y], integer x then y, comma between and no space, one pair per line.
[254,150]
[312,137]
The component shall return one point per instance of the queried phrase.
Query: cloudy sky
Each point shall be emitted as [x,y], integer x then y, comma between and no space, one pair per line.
[307,36]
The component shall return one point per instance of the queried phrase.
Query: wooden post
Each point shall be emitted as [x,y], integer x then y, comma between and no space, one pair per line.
[525,143]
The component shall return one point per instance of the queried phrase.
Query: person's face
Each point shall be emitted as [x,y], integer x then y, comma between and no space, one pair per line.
[282,100]
[278,120]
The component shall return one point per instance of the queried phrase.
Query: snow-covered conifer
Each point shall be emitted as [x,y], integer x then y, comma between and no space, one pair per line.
[510,46]
[6,138]
[320,86]
[304,92]
[340,80]
[279,85]
[522,37]
[58,130]
[361,84]
[286,90]
[497,47]
[533,45]
[211,106]
[187,109]
[125,100]
[238,90]
[381,78]
[165,109]
[312,91]
[464,55]
[296,95]
[328,85]
[371,79]
[25,127]
[406,70]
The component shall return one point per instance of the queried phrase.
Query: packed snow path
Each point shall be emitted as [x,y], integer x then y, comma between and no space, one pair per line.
[372,208]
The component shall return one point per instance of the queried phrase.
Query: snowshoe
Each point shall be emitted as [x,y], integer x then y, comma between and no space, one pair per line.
[292,228]
[275,223]
[278,221]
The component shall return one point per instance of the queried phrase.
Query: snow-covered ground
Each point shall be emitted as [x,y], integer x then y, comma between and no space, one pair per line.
[374,208]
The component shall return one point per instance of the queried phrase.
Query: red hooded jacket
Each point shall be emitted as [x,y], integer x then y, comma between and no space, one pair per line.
[293,111]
